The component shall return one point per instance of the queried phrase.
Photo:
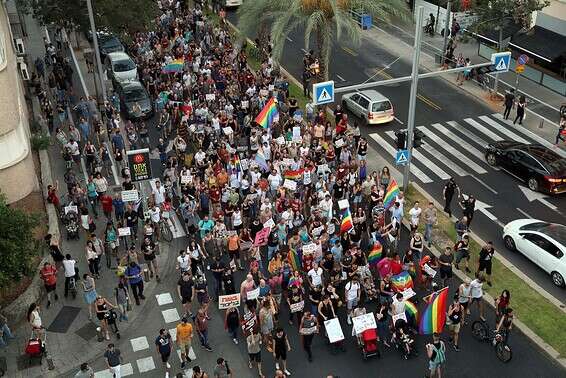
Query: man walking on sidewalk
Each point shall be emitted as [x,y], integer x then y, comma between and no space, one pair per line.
[113,359]
[509,101]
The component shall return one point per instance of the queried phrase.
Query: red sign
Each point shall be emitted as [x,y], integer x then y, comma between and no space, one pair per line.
[140,166]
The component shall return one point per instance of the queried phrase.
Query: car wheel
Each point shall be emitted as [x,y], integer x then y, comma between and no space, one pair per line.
[557,279]
[532,183]
[510,243]
[491,159]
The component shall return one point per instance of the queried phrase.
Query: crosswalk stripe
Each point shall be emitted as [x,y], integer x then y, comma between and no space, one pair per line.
[391,151]
[451,150]
[481,128]
[423,159]
[474,137]
[459,141]
[533,136]
[502,129]
[446,161]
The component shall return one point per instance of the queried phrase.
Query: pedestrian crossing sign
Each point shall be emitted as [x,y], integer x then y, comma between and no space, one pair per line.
[323,93]
[402,157]
[501,61]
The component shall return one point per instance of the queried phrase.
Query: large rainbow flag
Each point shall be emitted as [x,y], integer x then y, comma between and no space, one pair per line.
[401,281]
[175,66]
[347,223]
[376,253]
[433,317]
[295,259]
[294,175]
[268,114]
[390,194]
[411,310]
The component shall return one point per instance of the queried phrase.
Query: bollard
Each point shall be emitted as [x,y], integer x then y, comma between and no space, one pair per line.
[146,275]
[99,334]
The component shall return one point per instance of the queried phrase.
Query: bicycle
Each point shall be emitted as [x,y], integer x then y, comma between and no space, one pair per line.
[164,230]
[482,332]
[73,286]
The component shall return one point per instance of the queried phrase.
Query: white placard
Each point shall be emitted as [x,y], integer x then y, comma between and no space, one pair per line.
[186,179]
[334,330]
[130,195]
[307,177]
[290,184]
[317,231]
[210,97]
[308,331]
[309,248]
[408,293]
[280,140]
[339,143]
[124,231]
[269,224]
[431,272]
[263,92]
[322,169]
[296,307]
[271,87]
[363,322]
[343,204]
[252,294]
[228,301]
[245,104]
[296,133]
[71,208]
[400,316]
[227,130]
[288,161]
[244,163]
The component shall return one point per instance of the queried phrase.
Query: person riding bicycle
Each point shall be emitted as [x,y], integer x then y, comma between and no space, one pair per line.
[70,271]
[505,324]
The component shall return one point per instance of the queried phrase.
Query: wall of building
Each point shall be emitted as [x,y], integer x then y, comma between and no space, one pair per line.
[17,174]
[553,17]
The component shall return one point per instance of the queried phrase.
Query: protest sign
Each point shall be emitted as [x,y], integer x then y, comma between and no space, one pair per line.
[431,272]
[343,204]
[408,293]
[400,316]
[130,195]
[71,208]
[334,330]
[363,322]
[309,248]
[210,97]
[124,231]
[296,307]
[290,184]
[252,294]
[262,237]
[269,224]
[228,301]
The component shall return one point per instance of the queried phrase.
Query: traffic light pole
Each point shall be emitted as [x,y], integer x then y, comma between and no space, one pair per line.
[413,95]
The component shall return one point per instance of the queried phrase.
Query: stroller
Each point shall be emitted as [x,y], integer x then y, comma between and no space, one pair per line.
[403,340]
[368,341]
[111,317]
[71,222]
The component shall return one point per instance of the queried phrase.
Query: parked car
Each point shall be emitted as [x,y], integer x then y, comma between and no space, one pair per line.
[135,100]
[539,167]
[541,242]
[233,3]
[109,43]
[120,67]
[369,105]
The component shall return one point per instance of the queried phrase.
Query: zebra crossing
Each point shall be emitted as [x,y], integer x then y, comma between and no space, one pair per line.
[456,148]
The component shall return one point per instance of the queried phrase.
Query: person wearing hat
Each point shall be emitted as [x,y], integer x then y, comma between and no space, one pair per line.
[184,332]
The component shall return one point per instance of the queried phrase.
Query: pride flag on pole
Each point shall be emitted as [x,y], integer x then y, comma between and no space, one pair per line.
[433,318]
[175,66]
[347,223]
[294,175]
[294,258]
[401,281]
[268,114]
[390,194]
[376,253]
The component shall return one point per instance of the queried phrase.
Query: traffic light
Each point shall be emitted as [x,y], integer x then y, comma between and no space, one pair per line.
[418,138]
[401,139]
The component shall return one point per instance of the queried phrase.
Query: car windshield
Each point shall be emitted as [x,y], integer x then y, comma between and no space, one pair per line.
[136,94]
[381,106]
[124,65]
[555,231]
[557,166]
[110,42]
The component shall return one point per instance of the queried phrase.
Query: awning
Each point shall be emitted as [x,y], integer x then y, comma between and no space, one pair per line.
[541,43]
[492,36]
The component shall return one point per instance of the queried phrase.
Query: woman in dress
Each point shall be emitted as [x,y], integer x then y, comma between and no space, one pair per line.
[103,307]
[89,293]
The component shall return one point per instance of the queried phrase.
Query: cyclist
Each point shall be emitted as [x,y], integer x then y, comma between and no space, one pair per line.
[155,216]
[505,324]
[70,272]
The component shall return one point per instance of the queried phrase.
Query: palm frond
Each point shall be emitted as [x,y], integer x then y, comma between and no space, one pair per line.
[316,21]
[349,25]
[251,14]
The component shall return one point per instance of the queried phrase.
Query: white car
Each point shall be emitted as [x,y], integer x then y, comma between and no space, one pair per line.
[542,242]
[120,67]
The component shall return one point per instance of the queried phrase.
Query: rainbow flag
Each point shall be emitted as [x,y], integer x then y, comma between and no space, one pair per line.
[390,194]
[236,163]
[401,281]
[260,160]
[434,316]
[294,282]
[175,66]
[375,254]
[295,259]
[347,223]
[268,114]
[411,310]
[294,175]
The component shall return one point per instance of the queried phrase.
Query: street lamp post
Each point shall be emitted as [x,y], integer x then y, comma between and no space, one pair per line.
[413,95]
[96,50]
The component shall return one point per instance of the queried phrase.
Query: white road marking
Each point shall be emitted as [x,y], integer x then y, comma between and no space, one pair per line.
[305,51]
[533,196]
[454,152]
[173,333]
[481,128]
[139,343]
[423,159]
[503,129]
[446,161]
[171,315]
[398,120]
[145,364]
[340,77]
[485,185]
[164,298]
[125,371]
[524,213]
[391,151]
[459,141]
[192,354]
[288,39]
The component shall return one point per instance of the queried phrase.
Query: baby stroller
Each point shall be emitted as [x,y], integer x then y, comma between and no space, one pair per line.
[111,317]
[368,341]
[71,222]
[403,340]
[68,157]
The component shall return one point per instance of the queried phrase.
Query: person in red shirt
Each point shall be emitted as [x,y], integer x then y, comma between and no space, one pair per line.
[215,195]
[396,265]
[106,201]
[342,125]
[49,276]
[52,196]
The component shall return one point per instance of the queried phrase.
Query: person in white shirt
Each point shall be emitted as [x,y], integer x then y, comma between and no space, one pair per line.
[398,305]
[315,275]
[155,217]
[158,193]
[415,214]
[183,261]
[274,180]
[70,272]
[352,293]
[476,292]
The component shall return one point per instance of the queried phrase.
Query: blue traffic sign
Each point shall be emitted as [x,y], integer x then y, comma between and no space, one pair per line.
[501,61]
[402,157]
[523,59]
[323,93]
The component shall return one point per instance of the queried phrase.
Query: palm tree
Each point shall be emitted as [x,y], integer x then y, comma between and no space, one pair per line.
[323,18]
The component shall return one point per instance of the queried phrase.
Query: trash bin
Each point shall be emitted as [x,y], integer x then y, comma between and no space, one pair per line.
[365,21]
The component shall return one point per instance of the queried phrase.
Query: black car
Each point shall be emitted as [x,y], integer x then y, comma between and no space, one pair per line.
[109,44]
[134,100]
[539,167]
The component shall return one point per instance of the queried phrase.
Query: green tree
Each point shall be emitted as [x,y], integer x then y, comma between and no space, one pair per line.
[120,17]
[17,245]
[323,19]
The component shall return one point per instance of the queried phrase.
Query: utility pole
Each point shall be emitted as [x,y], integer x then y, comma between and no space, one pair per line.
[413,95]
[96,50]
[446,31]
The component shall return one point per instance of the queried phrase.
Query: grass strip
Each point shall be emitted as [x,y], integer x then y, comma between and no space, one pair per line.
[537,312]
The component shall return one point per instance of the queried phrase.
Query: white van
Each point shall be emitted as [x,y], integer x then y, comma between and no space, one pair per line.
[369,105]
[120,67]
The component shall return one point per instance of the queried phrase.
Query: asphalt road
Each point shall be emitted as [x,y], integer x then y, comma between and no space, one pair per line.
[440,102]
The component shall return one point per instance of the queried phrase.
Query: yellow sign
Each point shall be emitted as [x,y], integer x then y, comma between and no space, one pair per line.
[520,69]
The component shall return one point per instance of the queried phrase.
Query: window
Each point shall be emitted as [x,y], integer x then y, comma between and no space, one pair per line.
[529,161]
[3,57]
[381,106]
[537,240]
[355,97]
[364,102]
